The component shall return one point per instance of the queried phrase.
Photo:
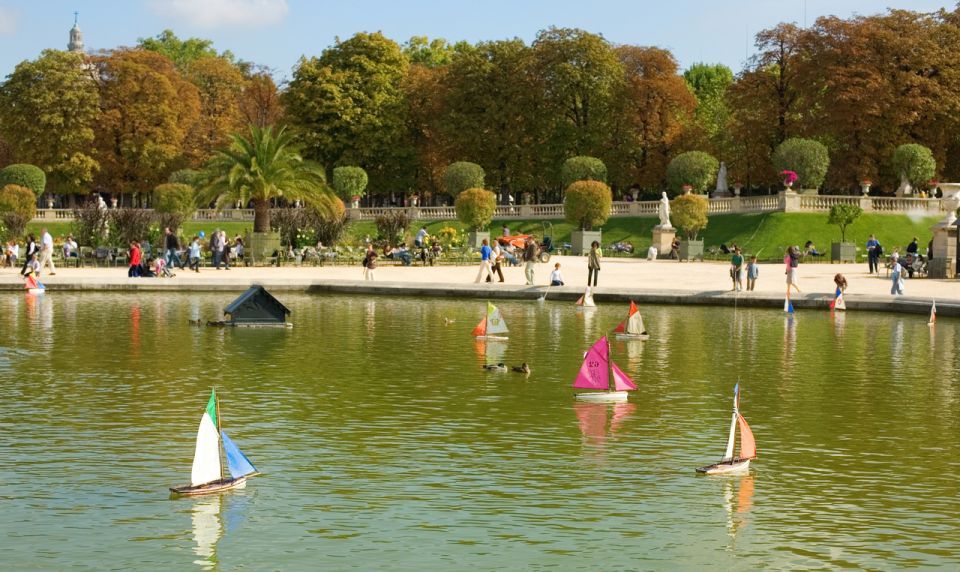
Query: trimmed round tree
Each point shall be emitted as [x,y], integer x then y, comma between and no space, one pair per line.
[915,162]
[462,175]
[349,182]
[695,169]
[689,213]
[24,175]
[807,158]
[18,206]
[173,202]
[475,208]
[582,168]
[587,204]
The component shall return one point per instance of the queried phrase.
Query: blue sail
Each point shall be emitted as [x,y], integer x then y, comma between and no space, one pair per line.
[239,464]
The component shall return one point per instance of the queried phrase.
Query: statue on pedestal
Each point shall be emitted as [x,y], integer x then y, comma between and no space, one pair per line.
[664,212]
[722,180]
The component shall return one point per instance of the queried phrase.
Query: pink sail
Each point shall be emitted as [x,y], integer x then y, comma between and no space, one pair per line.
[594,373]
[622,381]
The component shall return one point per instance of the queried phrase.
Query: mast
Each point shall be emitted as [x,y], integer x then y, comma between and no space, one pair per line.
[219,424]
[611,384]
[728,454]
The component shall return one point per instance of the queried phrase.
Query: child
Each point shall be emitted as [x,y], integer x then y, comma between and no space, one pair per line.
[841,283]
[897,276]
[736,269]
[753,272]
[556,279]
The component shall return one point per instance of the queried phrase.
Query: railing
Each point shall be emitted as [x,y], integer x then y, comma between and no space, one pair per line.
[769,203]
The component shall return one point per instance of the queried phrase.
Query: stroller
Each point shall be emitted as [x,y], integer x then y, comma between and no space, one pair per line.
[160,269]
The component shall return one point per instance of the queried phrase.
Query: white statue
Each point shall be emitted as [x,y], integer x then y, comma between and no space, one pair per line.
[664,212]
[722,179]
[905,187]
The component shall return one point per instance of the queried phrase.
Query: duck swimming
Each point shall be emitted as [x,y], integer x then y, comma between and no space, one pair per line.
[495,367]
[522,368]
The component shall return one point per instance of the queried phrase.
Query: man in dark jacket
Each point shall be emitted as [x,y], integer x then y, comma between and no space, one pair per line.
[171,245]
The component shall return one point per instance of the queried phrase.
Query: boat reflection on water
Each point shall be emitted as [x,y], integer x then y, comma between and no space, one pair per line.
[593,419]
[207,530]
[737,500]
[490,351]
[789,342]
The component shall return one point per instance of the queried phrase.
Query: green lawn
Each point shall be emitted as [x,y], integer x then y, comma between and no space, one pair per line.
[765,234]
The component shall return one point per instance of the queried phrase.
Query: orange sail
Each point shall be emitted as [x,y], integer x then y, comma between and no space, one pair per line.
[748,446]
[481,329]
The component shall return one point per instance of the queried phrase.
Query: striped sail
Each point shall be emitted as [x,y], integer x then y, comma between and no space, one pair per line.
[206,458]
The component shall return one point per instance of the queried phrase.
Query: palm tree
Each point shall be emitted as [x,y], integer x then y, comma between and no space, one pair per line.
[268,165]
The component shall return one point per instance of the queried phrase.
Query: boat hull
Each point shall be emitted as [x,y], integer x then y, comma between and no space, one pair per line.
[210,488]
[726,468]
[603,396]
[491,337]
[36,290]
[633,336]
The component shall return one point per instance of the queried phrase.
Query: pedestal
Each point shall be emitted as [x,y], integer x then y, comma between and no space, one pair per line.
[944,247]
[663,239]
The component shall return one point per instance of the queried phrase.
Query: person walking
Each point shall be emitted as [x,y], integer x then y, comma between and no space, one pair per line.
[897,276]
[225,248]
[369,263]
[171,244]
[497,257]
[874,250]
[792,262]
[46,253]
[736,269]
[31,253]
[485,253]
[593,263]
[529,258]
[216,248]
[195,254]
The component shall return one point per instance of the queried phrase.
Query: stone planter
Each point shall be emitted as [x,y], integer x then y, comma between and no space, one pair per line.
[260,246]
[843,252]
[475,238]
[691,250]
[582,239]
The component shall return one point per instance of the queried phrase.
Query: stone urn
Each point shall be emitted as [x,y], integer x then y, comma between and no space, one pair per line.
[113,202]
[736,189]
[865,187]
[49,202]
[950,201]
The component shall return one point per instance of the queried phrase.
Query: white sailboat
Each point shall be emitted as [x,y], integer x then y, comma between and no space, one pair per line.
[586,301]
[207,473]
[933,314]
[632,328]
[599,372]
[492,326]
[748,446]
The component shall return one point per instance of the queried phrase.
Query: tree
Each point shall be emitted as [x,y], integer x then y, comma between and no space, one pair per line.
[475,208]
[349,182]
[183,53]
[29,176]
[587,204]
[18,206]
[174,203]
[420,50]
[654,112]
[266,166]
[689,213]
[807,158]
[462,175]
[843,215]
[260,101]
[912,161]
[48,109]
[149,110]
[582,169]
[347,105]
[709,84]
[580,74]
[695,169]
[220,87]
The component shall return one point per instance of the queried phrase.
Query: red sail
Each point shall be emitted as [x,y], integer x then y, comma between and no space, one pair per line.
[748,446]
[481,329]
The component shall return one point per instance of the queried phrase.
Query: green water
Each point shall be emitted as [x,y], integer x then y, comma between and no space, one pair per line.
[384,445]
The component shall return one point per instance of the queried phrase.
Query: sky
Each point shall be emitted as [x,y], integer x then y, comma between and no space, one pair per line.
[276,33]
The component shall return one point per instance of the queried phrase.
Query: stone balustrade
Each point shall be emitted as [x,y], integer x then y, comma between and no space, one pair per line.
[783,202]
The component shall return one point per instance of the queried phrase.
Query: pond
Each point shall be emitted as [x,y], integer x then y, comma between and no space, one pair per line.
[383,444]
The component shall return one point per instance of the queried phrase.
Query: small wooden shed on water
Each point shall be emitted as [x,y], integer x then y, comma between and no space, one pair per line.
[256,307]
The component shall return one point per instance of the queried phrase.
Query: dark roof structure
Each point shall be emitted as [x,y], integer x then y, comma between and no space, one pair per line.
[256,307]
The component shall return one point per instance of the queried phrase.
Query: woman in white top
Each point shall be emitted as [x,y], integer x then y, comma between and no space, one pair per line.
[556,279]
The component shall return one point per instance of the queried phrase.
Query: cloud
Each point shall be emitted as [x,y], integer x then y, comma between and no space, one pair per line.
[222,13]
[8,21]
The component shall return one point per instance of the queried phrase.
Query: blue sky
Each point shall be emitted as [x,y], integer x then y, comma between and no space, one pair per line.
[276,33]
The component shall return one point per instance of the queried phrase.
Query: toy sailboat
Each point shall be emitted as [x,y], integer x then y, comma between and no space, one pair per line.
[492,325]
[933,314]
[748,446]
[632,328]
[838,303]
[34,286]
[586,300]
[599,372]
[207,474]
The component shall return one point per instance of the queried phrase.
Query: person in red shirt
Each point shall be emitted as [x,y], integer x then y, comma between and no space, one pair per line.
[134,271]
